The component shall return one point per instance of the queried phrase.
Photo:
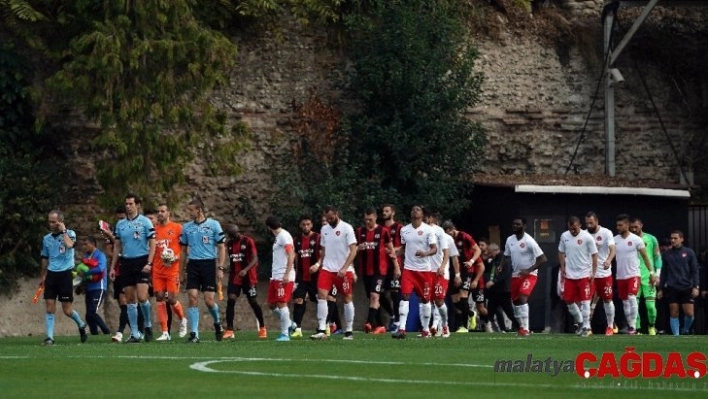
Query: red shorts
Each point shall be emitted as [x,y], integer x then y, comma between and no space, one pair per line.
[603,288]
[165,283]
[522,286]
[576,290]
[627,287]
[440,287]
[326,280]
[279,292]
[421,282]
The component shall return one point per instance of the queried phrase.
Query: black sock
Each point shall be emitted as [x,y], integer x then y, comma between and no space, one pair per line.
[168,308]
[386,305]
[371,318]
[123,320]
[396,298]
[141,321]
[230,311]
[379,317]
[299,312]
[334,311]
[464,307]
[257,311]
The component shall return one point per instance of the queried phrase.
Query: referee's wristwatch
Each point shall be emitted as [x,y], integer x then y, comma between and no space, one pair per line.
[222,268]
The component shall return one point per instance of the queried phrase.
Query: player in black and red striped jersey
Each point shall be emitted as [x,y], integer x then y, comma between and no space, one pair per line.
[374,250]
[392,285]
[471,270]
[243,277]
[307,257]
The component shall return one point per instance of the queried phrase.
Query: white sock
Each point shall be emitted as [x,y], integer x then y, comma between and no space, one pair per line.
[634,308]
[610,313]
[349,316]
[517,312]
[575,312]
[442,310]
[284,321]
[276,313]
[322,314]
[436,316]
[524,311]
[403,314]
[585,311]
[425,310]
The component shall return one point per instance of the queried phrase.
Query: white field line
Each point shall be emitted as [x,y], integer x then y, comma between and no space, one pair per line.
[204,367]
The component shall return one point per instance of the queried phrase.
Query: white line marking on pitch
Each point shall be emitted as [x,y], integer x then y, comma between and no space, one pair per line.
[267,359]
[14,357]
[204,367]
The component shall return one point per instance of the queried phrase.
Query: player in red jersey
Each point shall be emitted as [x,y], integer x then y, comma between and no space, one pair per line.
[471,269]
[243,278]
[391,299]
[374,249]
[307,257]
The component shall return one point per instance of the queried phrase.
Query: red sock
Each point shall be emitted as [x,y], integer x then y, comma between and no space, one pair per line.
[162,315]
[177,308]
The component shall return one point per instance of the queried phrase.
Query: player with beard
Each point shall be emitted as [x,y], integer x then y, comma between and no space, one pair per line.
[629,247]
[419,245]
[375,247]
[602,284]
[526,257]
[339,248]
[442,274]
[577,255]
[307,264]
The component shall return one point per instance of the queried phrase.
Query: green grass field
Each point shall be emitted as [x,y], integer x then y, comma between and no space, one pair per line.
[368,367]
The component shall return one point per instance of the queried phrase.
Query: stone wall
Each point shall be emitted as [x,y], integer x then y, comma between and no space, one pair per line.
[533,106]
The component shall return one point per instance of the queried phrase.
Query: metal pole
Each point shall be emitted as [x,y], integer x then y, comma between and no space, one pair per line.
[609,100]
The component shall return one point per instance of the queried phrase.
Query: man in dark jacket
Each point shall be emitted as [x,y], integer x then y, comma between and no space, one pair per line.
[498,285]
[679,282]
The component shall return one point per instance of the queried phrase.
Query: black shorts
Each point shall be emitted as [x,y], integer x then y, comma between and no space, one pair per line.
[391,283]
[306,288]
[673,295]
[201,275]
[466,276]
[373,284]
[478,294]
[251,291]
[59,285]
[131,271]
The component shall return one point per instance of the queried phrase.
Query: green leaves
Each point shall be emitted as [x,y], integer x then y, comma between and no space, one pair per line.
[28,176]
[413,72]
[143,72]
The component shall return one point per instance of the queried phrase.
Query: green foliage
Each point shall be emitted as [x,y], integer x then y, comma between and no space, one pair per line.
[413,78]
[143,70]
[413,72]
[28,181]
